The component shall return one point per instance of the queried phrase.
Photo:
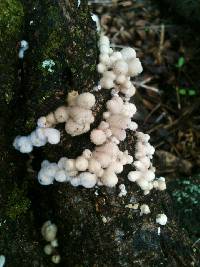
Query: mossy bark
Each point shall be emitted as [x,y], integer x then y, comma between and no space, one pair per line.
[95,228]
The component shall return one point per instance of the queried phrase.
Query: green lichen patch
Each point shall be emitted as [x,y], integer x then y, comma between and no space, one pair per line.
[186,197]
[11,14]
[17,204]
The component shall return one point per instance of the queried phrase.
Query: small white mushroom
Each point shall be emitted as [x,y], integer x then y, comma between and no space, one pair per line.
[87,179]
[53,135]
[56,259]
[48,249]
[49,231]
[161,219]
[86,100]
[61,114]
[81,163]
[144,209]
[109,178]
[98,137]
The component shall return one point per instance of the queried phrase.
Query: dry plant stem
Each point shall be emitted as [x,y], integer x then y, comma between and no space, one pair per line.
[197,241]
[160,117]
[155,128]
[101,2]
[178,98]
[162,38]
[118,33]
[143,85]
[151,113]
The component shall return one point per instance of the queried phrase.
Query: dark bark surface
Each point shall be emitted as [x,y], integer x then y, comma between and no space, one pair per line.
[61,31]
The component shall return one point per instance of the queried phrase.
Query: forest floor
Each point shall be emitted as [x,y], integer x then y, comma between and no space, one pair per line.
[168,93]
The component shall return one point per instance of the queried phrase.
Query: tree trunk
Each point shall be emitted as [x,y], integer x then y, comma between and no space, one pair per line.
[95,227]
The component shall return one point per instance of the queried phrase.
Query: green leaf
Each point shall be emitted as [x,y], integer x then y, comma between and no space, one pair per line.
[191,92]
[181,62]
[182,91]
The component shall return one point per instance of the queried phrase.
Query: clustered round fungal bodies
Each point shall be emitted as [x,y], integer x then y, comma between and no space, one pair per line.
[77,117]
[144,174]
[118,67]
[49,232]
[102,165]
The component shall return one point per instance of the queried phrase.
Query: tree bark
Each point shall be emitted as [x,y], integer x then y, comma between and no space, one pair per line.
[95,228]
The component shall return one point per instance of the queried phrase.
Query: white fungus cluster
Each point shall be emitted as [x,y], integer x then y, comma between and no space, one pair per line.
[37,138]
[118,67]
[103,165]
[117,120]
[100,167]
[49,232]
[77,117]
[144,174]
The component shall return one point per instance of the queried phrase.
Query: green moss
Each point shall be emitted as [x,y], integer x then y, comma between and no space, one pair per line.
[11,20]
[30,124]
[93,67]
[17,204]
[8,96]
[11,14]
[55,38]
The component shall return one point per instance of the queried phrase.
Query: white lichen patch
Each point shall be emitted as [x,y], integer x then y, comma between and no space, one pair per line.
[2,260]
[23,47]
[79,2]
[48,64]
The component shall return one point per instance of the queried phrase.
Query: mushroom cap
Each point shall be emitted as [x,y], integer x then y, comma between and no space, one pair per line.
[73,128]
[94,166]
[51,120]
[36,141]
[128,53]
[134,67]
[106,83]
[133,176]
[81,115]
[53,135]
[88,180]
[61,114]
[81,163]
[60,176]
[103,158]
[109,178]
[120,67]
[98,137]
[86,100]
[44,178]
